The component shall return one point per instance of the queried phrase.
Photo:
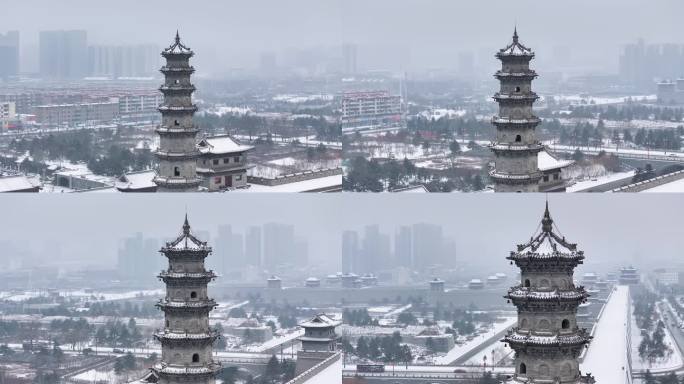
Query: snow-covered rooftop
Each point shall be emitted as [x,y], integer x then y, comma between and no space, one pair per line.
[547,162]
[220,145]
[320,321]
[320,183]
[136,180]
[16,183]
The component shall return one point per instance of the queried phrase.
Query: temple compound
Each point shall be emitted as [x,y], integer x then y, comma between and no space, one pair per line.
[546,340]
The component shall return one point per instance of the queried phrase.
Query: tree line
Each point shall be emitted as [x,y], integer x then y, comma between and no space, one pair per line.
[380,348]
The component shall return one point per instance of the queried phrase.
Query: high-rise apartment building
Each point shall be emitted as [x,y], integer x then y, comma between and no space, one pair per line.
[9,55]
[63,54]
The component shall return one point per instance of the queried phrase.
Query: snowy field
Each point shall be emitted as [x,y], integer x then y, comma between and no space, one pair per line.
[595,100]
[229,110]
[296,99]
[402,151]
[602,360]
[446,163]
[289,165]
[646,153]
[459,350]
[99,295]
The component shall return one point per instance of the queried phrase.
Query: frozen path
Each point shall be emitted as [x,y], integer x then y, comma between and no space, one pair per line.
[606,357]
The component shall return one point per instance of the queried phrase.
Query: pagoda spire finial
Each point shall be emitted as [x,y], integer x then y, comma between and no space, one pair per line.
[186,225]
[177,37]
[547,221]
[515,34]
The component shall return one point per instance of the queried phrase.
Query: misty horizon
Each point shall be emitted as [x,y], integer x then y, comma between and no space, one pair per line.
[407,36]
[87,232]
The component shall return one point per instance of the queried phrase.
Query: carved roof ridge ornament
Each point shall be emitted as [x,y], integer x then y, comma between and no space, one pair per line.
[516,48]
[178,47]
[186,237]
[547,234]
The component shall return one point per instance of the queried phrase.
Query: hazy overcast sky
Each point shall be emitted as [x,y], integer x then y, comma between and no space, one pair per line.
[433,31]
[613,229]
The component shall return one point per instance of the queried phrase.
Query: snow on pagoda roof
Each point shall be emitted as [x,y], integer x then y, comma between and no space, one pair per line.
[547,162]
[320,321]
[186,240]
[178,48]
[547,242]
[526,293]
[575,338]
[220,145]
[515,48]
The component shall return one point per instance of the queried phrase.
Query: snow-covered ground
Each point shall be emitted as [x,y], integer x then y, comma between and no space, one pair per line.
[296,99]
[274,342]
[99,295]
[621,124]
[289,161]
[289,165]
[301,186]
[671,361]
[496,351]
[402,151]
[606,357]
[459,350]
[599,180]
[646,153]
[227,110]
[95,376]
[595,100]
[673,187]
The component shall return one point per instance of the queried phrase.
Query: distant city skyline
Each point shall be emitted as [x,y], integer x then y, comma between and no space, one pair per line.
[408,35]
[83,231]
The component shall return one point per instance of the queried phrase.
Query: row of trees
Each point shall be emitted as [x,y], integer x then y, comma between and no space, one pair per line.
[70,331]
[463,127]
[582,134]
[358,317]
[118,334]
[276,372]
[627,112]
[652,346]
[376,176]
[125,309]
[667,139]
[670,378]
[84,146]
[253,126]
[380,348]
